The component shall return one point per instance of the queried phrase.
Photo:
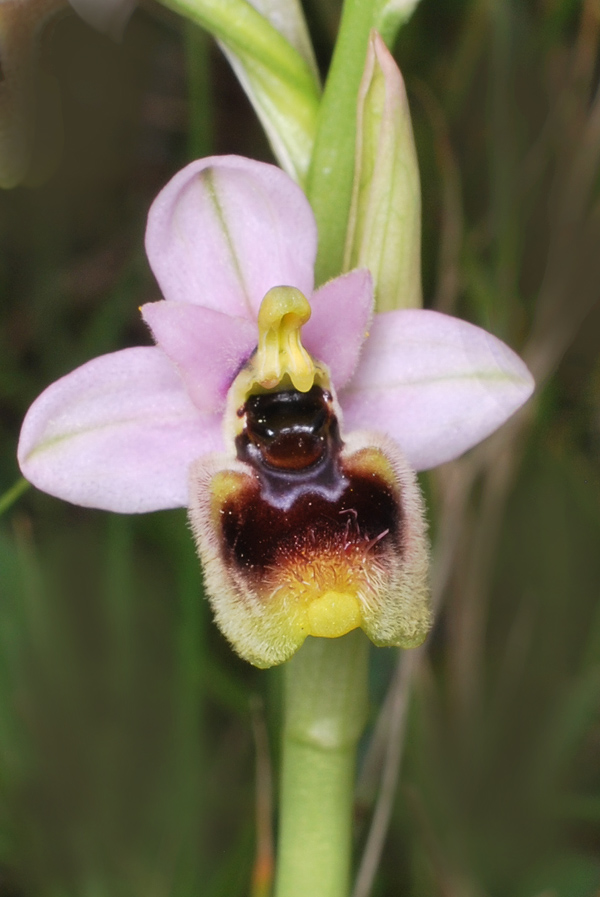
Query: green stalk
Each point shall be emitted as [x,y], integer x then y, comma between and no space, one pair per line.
[326,681]
[331,173]
[325,712]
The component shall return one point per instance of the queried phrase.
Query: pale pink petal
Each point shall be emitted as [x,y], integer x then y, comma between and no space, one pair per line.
[207,347]
[110,16]
[435,384]
[227,229]
[341,315]
[119,433]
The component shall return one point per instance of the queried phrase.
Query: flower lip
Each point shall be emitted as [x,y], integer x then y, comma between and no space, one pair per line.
[319,558]
[298,524]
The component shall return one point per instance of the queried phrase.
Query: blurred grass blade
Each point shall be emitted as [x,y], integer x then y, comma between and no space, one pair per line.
[280,83]
[262,874]
[29,148]
[16,127]
[200,92]
[13,494]
[576,711]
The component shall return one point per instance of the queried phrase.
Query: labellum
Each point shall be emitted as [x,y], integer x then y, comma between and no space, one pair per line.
[305,531]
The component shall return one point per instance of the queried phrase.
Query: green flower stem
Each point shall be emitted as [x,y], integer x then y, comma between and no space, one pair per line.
[326,681]
[331,172]
[325,712]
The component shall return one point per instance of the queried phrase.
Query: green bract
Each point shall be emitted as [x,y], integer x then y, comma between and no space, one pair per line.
[384,229]
[280,79]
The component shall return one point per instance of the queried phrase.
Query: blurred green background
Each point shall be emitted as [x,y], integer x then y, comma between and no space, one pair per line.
[127,755]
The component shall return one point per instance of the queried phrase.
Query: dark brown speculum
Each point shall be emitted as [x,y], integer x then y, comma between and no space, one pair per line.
[306,501]
[260,536]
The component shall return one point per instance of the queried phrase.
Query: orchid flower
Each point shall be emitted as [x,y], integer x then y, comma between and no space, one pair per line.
[289,420]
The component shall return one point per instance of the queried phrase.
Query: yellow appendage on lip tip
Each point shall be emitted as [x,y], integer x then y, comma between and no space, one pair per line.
[333,614]
[282,313]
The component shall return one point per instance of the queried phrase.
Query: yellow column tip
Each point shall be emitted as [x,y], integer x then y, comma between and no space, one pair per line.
[280,351]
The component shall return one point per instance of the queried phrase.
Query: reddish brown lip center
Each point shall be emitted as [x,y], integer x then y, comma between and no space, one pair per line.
[362,520]
[305,500]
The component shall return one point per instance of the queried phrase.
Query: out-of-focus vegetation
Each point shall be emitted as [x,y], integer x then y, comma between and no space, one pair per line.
[126,746]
